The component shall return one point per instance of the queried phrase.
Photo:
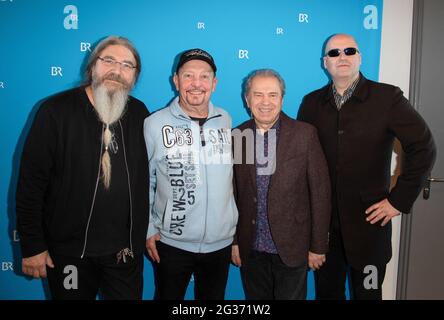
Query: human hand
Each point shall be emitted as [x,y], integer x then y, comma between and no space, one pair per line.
[235,256]
[151,247]
[381,210]
[315,261]
[35,266]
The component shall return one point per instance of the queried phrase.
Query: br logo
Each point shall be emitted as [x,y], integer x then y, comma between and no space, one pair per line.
[71,281]
[303,18]
[85,46]
[243,54]
[7,266]
[56,71]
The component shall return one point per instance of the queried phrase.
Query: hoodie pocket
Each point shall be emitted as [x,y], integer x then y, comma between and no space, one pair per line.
[167,216]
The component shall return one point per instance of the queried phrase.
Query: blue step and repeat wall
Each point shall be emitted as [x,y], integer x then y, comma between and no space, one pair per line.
[44,46]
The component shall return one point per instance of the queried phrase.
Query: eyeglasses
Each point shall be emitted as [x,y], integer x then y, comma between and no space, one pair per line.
[110,62]
[347,51]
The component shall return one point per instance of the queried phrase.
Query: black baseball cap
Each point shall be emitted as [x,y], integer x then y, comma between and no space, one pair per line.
[196,54]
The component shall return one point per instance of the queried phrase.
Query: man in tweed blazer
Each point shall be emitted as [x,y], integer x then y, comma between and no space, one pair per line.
[282,194]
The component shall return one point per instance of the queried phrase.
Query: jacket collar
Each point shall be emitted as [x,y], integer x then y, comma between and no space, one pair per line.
[361,90]
[284,132]
[281,150]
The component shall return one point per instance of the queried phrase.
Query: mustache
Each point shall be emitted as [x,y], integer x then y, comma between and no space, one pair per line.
[99,81]
[197,89]
[115,77]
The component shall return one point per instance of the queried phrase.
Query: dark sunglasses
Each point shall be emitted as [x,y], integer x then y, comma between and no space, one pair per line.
[347,51]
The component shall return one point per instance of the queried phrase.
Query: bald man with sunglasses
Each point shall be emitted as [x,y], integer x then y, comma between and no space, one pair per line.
[357,121]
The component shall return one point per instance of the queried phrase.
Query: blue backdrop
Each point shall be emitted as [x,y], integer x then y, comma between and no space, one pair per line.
[45,45]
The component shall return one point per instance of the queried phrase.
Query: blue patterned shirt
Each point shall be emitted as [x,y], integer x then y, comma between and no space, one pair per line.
[264,240]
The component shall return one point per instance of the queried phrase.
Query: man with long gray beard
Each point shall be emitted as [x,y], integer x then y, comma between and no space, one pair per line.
[82,196]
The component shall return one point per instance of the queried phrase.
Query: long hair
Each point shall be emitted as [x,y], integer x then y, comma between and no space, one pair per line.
[109,117]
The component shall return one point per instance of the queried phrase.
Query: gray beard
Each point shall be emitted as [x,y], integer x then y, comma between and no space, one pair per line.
[109,105]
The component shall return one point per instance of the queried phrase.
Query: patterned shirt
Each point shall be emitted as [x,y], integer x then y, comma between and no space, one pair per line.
[340,100]
[264,241]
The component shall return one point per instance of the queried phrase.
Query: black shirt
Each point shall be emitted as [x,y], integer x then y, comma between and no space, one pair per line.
[58,174]
[110,224]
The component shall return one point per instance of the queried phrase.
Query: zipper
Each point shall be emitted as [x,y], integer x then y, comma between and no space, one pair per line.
[206,211]
[202,138]
[206,176]
[94,197]
[129,188]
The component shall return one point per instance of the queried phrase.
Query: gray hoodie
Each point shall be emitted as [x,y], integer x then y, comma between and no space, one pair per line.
[192,204]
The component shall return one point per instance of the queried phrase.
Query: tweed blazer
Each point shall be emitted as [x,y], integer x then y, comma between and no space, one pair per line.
[298,196]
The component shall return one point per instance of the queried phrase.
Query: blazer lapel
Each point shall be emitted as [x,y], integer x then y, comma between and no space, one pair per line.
[252,167]
[281,151]
[252,171]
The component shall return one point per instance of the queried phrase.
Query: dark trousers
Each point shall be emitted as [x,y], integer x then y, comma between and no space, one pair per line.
[176,266]
[266,277]
[74,278]
[330,278]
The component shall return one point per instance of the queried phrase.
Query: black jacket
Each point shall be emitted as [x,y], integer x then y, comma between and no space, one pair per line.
[59,170]
[358,144]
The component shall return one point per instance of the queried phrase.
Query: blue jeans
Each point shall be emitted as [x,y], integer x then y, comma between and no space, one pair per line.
[266,277]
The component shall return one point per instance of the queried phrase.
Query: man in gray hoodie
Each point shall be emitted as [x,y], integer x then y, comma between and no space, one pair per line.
[193,214]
